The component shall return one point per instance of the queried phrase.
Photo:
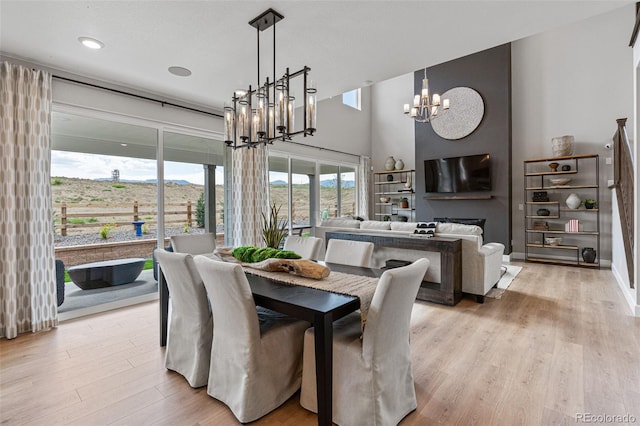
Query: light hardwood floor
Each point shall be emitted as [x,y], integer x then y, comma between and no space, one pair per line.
[560,342]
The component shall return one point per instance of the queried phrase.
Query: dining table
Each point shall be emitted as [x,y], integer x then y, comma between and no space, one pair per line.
[319,307]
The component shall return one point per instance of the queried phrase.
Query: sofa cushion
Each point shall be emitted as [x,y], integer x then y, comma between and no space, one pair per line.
[374,224]
[464,221]
[341,223]
[457,228]
[403,226]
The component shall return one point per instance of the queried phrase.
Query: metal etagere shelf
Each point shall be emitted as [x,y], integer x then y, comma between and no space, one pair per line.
[394,196]
[555,233]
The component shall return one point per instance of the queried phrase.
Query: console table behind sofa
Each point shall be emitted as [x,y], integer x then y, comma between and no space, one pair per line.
[449,290]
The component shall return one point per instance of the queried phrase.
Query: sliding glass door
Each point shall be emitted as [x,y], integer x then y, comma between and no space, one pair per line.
[308,191]
[193,184]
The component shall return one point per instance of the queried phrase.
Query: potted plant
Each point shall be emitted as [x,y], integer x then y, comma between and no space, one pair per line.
[589,203]
[404,203]
[273,229]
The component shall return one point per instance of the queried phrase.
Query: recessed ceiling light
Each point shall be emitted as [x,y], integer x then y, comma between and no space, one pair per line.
[123,144]
[91,43]
[180,71]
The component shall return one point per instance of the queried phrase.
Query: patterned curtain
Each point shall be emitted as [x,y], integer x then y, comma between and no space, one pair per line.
[250,195]
[27,266]
[364,185]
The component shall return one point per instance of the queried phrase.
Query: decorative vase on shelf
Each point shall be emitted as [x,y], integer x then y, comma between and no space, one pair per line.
[589,255]
[408,183]
[390,163]
[562,146]
[389,178]
[404,203]
[573,201]
[399,165]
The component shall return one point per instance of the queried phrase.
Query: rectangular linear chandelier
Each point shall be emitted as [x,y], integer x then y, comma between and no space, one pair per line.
[266,113]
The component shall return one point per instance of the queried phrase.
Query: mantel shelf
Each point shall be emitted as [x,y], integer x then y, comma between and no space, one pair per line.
[458,197]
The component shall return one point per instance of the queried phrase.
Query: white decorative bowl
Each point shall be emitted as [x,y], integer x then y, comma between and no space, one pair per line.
[385,199]
[560,181]
[553,241]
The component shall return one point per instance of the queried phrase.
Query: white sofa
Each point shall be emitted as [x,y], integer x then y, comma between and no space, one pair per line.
[480,262]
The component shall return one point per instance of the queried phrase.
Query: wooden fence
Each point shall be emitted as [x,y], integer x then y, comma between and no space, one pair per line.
[68,216]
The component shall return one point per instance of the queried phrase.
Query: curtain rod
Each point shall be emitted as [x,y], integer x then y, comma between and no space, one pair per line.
[320,148]
[146,98]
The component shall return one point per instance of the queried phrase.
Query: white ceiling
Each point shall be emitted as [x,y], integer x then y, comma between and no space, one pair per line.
[344,42]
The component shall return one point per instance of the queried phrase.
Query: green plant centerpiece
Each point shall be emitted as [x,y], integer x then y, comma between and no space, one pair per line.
[273,229]
[271,258]
[250,254]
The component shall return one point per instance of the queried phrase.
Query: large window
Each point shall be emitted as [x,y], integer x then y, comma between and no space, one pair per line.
[329,194]
[193,176]
[104,174]
[292,186]
[347,191]
[310,191]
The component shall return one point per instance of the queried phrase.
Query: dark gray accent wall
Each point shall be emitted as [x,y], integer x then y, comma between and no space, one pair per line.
[489,73]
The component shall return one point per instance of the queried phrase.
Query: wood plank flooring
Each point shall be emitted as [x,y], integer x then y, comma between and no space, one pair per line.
[559,343]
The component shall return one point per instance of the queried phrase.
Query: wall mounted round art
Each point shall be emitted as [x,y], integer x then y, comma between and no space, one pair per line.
[464,116]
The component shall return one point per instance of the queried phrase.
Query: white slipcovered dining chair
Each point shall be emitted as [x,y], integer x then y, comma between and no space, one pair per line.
[190,323]
[194,243]
[307,247]
[256,355]
[372,373]
[346,252]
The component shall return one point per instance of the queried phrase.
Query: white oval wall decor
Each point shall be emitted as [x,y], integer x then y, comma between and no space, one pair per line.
[464,115]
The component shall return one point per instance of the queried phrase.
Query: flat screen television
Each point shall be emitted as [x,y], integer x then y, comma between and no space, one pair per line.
[458,174]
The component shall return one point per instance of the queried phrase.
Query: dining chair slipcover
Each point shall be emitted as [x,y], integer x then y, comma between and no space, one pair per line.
[307,247]
[372,373]
[194,243]
[256,355]
[190,323]
[345,252]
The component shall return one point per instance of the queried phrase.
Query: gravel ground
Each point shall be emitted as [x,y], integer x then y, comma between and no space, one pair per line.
[119,235]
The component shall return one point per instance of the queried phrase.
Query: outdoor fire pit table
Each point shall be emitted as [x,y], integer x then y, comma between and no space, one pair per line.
[106,273]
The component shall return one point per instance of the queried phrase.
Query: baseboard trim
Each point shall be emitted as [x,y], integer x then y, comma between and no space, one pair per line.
[604,263]
[627,292]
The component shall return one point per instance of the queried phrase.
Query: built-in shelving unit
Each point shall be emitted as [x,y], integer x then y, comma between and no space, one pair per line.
[550,217]
[395,185]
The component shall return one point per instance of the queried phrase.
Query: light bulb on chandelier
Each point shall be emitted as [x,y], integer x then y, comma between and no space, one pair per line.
[424,108]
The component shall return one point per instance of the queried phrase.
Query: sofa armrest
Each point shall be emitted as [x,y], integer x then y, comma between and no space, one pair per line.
[491,248]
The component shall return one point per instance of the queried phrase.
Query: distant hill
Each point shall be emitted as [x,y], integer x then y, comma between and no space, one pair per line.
[176,181]
[278,182]
[332,183]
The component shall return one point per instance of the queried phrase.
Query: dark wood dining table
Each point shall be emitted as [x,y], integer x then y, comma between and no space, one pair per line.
[321,308]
